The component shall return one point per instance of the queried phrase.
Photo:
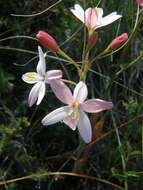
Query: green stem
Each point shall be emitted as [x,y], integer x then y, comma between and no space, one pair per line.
[69,81]
[86,66]
[63,54]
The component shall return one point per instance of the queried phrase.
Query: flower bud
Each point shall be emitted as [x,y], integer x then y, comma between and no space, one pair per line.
[118,41]
[47,41]
[92,39]
[140,2]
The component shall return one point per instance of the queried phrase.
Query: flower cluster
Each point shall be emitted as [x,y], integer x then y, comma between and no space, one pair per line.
[74,113]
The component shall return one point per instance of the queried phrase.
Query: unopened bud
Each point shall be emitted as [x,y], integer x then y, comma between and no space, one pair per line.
[118,41]
[92,39]
[47,41]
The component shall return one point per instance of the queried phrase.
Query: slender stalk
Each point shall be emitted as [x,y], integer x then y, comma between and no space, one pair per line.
[85,67]
[122,155]
[63,54]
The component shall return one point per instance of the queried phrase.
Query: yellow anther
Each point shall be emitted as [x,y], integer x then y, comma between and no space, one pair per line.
[31,75]
[34,76]
[76,105]
[76,110]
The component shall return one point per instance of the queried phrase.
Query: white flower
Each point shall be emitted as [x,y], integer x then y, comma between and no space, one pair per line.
[93,17]
[74,113]
[39,79]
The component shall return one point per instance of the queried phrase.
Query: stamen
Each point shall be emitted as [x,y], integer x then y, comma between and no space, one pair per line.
[31,75]
[75,114]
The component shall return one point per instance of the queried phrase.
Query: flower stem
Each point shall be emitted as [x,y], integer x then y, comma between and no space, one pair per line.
[63,54]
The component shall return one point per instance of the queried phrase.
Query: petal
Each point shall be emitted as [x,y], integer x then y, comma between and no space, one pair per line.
[99,12]
[70,122]
[41,94]
[34,94]
[91,18]
[41,67]
[80,92]
[62,91]
[109,19]
[56,115]
[30,77]
[96,105]
[78,12]
[53,74]
[84,127]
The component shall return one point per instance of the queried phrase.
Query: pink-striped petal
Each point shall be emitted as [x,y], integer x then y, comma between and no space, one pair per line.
[84,127]
[41,67]
[62,91]
[80,92]
[96,105]
[56,115]
[70,122]
[91,18]
[53,74]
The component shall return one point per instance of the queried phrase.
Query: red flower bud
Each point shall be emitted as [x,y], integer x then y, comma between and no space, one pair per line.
[92,39]
[47,41]
[118,41]
[140,2]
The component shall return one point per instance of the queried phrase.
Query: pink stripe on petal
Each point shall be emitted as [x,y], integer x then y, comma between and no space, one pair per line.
[91,18]
[62,91]
[96,105]
[53,74]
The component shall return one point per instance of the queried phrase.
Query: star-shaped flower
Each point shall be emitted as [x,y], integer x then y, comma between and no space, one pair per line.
[93,17]
[74,114]
[40,79]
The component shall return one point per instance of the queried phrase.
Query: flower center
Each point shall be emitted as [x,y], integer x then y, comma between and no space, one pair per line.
[75,110]
[43,77]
